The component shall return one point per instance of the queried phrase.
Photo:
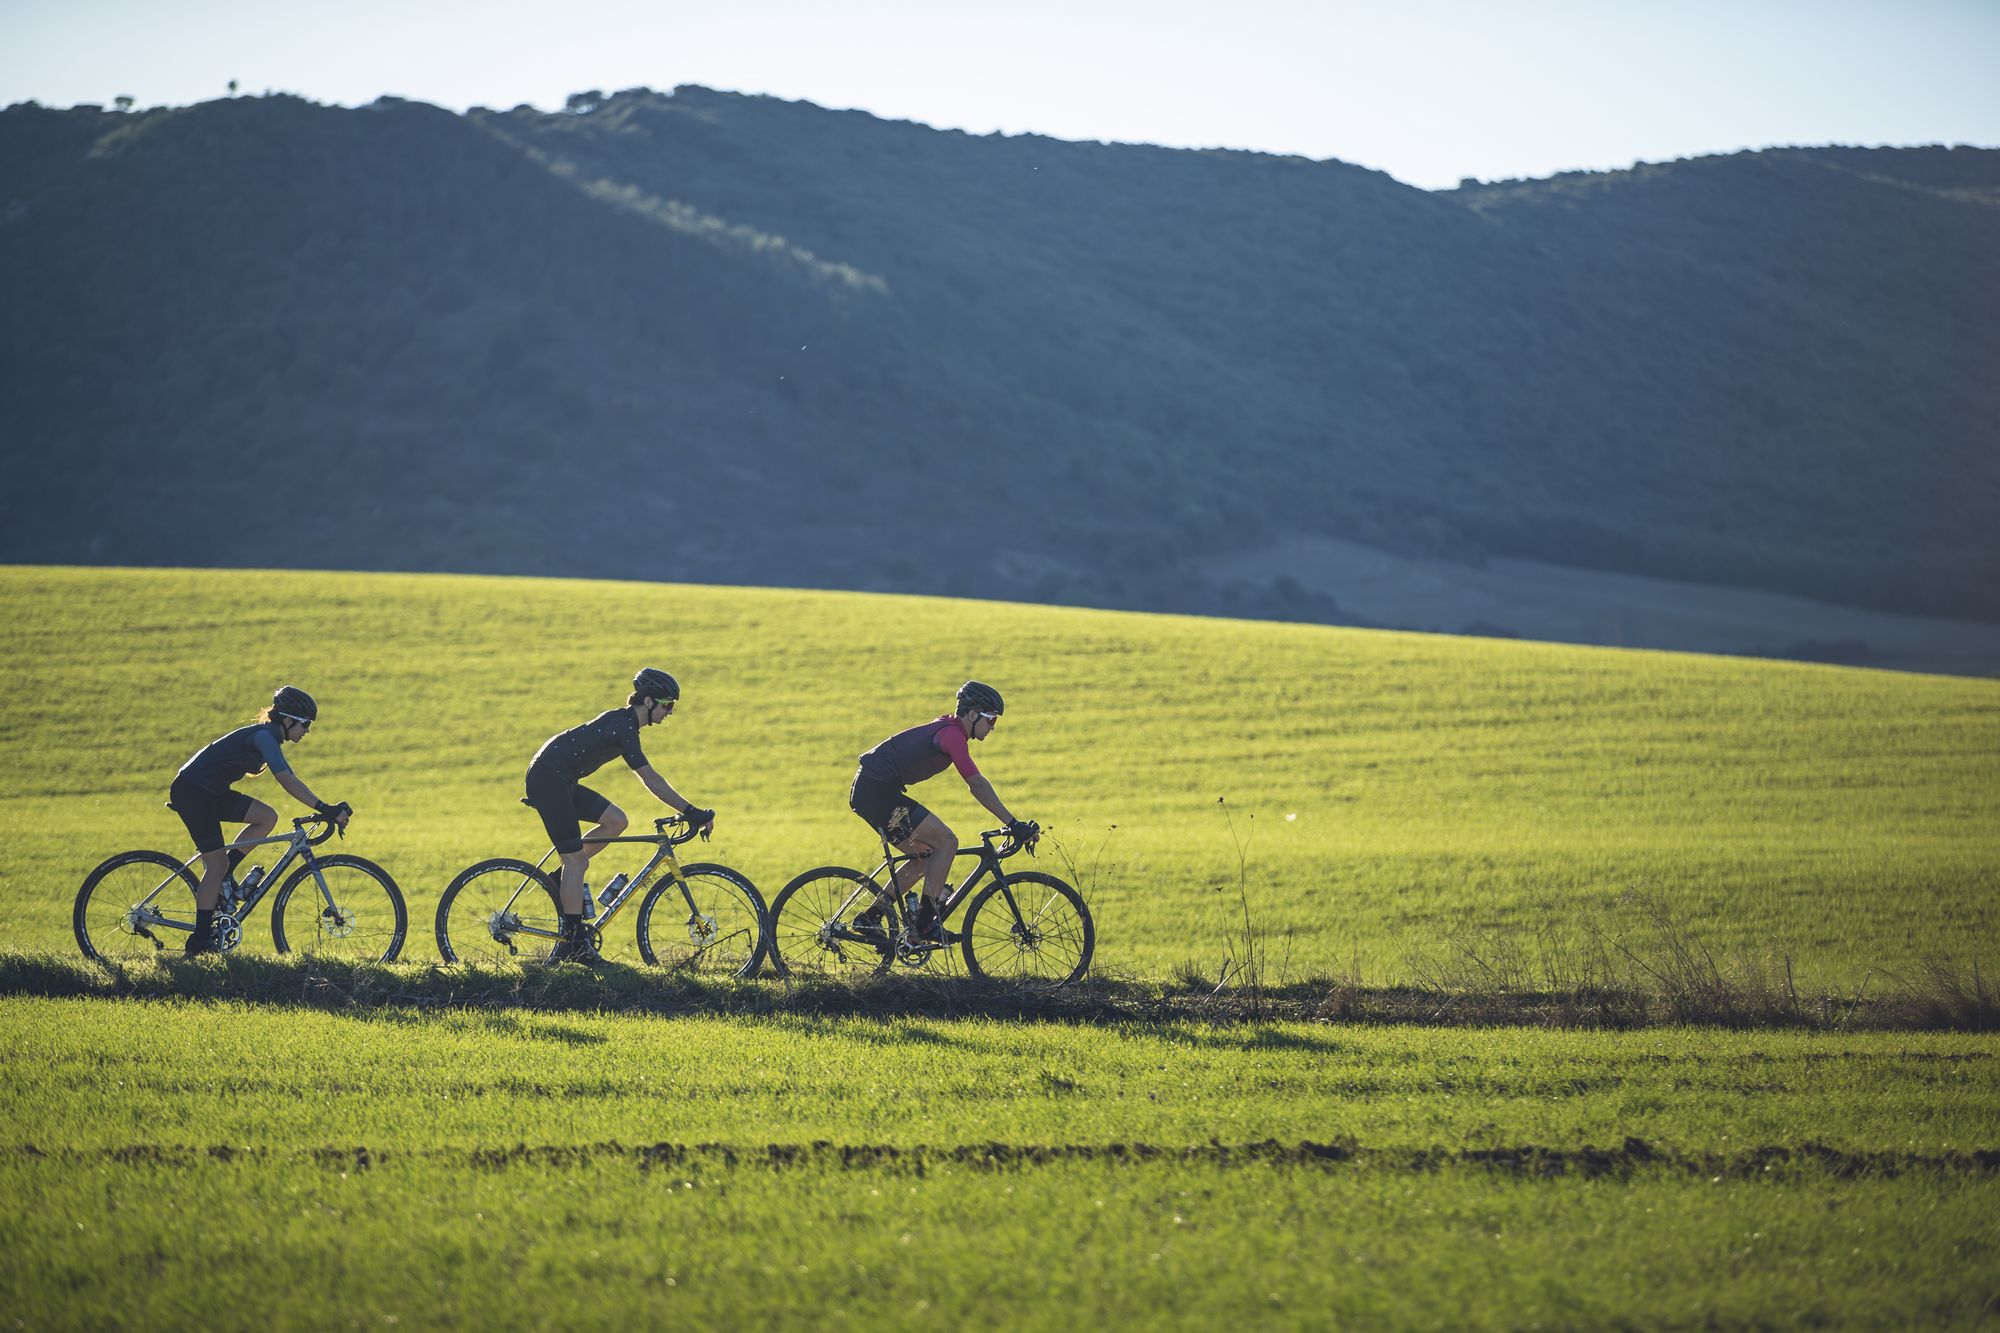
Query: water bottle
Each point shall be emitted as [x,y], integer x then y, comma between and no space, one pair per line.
[614,892]
[251,880]
[911,902]
[589,904]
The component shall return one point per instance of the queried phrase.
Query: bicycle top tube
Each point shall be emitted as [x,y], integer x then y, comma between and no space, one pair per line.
[982,851]
[659,837]
[296,837]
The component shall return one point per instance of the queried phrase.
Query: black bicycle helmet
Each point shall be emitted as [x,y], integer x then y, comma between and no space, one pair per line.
[656,684]
[294,702]
[980,698]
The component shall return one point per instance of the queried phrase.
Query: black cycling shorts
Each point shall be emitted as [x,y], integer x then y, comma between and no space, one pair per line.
[889,810]
[204,812]
[564,803]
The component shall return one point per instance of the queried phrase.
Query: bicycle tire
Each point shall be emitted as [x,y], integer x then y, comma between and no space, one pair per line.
[116,907]
[1051,945]
[477,930]
[353,928]
[803,941]
[724,919]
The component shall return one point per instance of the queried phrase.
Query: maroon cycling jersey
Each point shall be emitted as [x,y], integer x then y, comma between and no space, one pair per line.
[921,752]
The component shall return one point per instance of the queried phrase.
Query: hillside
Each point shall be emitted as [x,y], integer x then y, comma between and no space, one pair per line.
[716,338]
[1389,791]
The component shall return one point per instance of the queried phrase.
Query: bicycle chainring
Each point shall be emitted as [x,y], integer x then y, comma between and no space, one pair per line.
[228,933]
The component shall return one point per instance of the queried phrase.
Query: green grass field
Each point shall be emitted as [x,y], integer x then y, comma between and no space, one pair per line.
[1391,788]
[258,1167]
[223,1163]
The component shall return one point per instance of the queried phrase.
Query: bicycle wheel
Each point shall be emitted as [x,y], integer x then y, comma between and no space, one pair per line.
[135,905]
[1028,927]
[496,910]
[812,926]
[350,910]
[715,926]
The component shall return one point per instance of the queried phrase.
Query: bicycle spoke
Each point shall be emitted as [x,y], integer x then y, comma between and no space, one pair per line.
[497,911]
[1036,930]
[340,908]
[706,921]
[814,928]
[133,907]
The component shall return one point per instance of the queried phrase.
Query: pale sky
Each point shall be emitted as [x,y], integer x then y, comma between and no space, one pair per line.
[1428,90]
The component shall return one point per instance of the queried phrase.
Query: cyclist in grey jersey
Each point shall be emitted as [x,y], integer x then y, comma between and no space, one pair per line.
[203,794]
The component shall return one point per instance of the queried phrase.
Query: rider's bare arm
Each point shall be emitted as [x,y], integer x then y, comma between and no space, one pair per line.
[982,791]
[661,788]
[301,793]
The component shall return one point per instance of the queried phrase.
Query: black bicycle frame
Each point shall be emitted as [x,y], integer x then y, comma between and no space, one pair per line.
[884,875]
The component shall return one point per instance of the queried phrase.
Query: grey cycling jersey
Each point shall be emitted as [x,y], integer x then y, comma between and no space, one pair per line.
[223,763]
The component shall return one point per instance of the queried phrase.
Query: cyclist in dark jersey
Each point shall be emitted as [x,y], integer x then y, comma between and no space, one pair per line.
[881,798]
[556,791]
[204,796]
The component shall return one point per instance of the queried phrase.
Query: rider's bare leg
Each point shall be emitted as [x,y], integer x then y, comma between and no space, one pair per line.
[943,845]
[258,821]
[569,895]
[208,893]
[908,873]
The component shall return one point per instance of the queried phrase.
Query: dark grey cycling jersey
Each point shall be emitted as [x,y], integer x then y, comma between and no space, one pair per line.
[577,753]
[223,763]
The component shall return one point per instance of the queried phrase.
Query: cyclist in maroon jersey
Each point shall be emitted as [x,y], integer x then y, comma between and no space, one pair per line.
[880,797]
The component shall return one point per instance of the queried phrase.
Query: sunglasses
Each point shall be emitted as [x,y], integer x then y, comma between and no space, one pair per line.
[994,718]
[305,723]
[667,704]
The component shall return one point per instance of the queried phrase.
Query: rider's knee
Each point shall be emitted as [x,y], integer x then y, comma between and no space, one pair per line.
[613,820]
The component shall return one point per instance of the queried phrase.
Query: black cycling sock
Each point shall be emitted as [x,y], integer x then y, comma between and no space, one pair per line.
[236,855]
[572,925]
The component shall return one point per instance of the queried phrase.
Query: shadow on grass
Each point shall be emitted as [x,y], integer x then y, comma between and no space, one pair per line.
[399,992]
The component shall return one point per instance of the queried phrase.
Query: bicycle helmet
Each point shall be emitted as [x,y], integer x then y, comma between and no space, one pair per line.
[294,702]
[656,684]
[980,698]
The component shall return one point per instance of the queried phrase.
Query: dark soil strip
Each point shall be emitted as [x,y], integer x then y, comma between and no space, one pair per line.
[1103,999]
[1631,1157]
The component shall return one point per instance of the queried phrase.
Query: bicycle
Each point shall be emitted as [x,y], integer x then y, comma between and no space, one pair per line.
[1025,926]
[714,921]
[131,905]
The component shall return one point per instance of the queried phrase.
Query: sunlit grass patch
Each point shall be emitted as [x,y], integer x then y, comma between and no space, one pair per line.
[1848,819]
